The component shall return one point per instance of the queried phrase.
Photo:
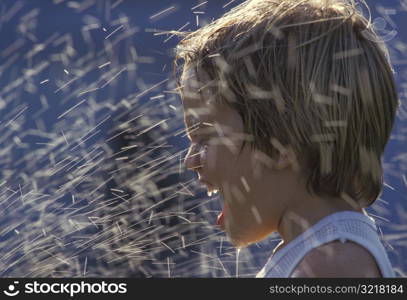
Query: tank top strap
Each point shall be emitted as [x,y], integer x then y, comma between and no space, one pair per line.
[345,225]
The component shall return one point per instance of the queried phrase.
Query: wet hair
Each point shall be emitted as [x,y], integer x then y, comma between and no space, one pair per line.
[312,76]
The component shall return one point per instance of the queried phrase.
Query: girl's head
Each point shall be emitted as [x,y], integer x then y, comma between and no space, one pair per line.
[284,88]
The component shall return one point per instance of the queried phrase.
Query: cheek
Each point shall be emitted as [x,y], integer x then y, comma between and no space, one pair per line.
[221,163]
[241,180]
[210,158]
[204,156]
[217,163]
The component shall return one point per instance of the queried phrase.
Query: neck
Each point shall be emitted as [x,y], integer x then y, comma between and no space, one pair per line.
[296,220]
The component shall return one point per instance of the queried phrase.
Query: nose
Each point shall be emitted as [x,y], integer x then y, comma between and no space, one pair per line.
[192,160]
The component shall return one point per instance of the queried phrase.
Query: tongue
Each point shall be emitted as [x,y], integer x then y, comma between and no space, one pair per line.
[221,219]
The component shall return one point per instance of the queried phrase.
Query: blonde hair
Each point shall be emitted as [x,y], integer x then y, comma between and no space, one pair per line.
[310,75]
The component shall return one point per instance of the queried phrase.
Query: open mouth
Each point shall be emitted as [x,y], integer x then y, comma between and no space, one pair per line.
[211,189]
[214,191]
[220,221]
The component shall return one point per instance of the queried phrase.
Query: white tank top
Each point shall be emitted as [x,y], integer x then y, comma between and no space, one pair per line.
[344,225]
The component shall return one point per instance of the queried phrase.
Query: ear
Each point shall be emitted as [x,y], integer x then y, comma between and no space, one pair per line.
[286,158]
[282,161]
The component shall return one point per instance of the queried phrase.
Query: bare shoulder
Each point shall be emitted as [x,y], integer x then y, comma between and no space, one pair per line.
[336,259]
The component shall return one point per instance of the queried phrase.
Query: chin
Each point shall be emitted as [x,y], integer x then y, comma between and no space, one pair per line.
[240,239]
[238,243]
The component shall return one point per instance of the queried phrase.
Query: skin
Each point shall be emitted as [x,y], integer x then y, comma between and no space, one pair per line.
[336,259]
[272,196]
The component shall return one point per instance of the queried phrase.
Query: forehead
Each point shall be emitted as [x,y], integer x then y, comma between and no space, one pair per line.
[196,98]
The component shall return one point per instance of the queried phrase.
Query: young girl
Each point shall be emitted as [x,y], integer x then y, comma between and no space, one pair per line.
[289,106]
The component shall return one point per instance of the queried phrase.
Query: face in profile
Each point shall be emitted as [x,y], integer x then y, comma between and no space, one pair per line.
[216,134]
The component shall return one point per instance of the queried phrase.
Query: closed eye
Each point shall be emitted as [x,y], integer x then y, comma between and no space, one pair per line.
[200,134]
[198,139]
